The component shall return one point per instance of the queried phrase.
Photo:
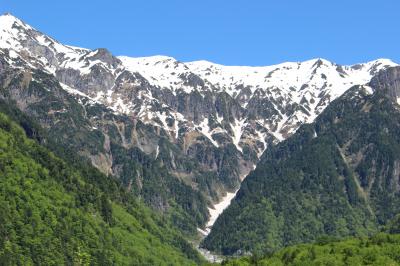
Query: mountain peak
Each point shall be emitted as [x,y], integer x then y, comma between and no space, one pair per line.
[12,30]
[7,20]
[8,14]
[383,61]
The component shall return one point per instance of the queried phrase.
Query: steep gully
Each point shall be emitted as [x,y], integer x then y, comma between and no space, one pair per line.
[215,211]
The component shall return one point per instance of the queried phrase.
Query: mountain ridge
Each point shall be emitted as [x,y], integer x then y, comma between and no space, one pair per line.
[197,75]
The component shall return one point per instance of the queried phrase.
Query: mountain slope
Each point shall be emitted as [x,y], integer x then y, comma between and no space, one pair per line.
[68,124]
[54,213]
[338,176]
[202,125]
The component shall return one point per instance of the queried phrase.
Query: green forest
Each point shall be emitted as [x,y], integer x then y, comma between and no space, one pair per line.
[381,249]
[58,213]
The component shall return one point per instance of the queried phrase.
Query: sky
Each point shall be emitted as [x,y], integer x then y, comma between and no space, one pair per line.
[229,32]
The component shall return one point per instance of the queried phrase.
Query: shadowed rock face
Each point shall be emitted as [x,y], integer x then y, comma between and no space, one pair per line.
[388,80]
[97,80]
[105,56]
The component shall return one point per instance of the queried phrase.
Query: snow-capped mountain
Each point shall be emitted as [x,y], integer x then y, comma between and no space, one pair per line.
[311,84]
[198,104]
[295,92]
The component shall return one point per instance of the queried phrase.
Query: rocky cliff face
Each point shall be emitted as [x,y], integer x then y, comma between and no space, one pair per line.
[390,81]
[207,124]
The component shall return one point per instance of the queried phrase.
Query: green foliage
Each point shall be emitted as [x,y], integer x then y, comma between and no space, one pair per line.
[393,226]
[53,213]
[381,249]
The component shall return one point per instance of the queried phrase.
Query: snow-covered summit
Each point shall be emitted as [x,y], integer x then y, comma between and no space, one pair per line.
[170,73]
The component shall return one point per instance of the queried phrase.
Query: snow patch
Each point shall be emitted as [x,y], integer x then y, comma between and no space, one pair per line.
[73,91]
[237,129]
[368,89]
[217,209]
[205,130]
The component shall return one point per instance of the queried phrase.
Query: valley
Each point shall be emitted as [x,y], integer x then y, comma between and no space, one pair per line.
[234,160]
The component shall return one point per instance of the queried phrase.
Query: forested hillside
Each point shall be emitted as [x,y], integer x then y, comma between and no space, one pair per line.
[381,249]
[338,176]
[58,213]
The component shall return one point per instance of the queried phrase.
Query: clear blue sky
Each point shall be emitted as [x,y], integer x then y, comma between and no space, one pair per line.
[232,32]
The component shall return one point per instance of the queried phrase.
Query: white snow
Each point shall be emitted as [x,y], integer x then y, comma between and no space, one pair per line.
[13,54]
[176,124]
[162,71]
[261,137]
[219,118]
[205,130]
[10,37]
[368,89]
[217,209]
[157,151]
[237,128]
[72,91]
